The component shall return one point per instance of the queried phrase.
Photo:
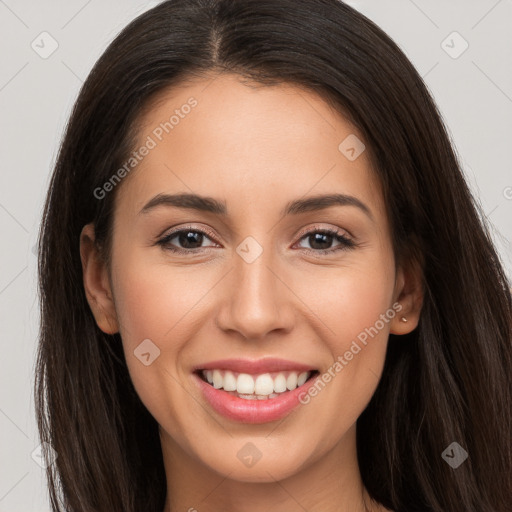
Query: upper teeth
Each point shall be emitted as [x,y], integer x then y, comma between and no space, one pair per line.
[264,384]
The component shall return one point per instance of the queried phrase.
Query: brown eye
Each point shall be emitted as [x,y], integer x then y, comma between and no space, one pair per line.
[321,240]
[190,240]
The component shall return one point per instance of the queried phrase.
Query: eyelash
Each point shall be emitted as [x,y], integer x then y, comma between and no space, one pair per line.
[345,242]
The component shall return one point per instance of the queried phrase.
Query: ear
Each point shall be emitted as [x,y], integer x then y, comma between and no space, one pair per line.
[96,282]
[409,294]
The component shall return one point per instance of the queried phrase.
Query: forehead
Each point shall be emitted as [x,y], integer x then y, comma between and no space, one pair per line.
[247,143]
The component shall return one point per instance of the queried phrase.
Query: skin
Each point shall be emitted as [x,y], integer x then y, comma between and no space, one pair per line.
[256,148]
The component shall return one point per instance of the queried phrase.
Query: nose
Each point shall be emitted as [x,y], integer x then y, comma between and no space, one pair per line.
[257,299]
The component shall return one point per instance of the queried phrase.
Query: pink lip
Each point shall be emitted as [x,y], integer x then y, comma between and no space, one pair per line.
[252,411]
[254,367]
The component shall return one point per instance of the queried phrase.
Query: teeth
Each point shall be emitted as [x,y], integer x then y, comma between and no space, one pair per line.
[245,384]
[255,397]
[217,379]
[291,381]
[255,387]
[229,383]
[303,377]
[264,384]
[280,383]
[248,397]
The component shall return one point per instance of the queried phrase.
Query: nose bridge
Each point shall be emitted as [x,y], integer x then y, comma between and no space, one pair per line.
[257,302]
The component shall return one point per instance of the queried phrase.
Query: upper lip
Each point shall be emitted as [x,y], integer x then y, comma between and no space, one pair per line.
[255,366]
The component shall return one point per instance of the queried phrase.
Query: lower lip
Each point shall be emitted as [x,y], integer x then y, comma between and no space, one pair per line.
[252,411]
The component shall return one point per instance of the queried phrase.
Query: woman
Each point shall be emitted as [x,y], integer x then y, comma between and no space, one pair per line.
[264,282]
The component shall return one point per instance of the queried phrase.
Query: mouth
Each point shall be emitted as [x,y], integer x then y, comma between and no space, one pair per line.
[253,397]
[263,386]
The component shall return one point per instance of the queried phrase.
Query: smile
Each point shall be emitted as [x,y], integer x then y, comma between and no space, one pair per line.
[255,387]
[243,391]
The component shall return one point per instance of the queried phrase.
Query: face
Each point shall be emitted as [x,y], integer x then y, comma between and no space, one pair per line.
[260,285]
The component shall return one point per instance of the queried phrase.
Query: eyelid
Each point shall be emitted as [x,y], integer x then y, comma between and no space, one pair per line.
[188,227]
[211,234]
[317,227]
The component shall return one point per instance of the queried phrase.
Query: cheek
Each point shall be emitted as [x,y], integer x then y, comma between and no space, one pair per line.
[153,301]
[156,303]
[352,299]
[165,305]
[365,298]
[358,311]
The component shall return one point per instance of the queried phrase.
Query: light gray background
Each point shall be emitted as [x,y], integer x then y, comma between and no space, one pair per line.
[473,91]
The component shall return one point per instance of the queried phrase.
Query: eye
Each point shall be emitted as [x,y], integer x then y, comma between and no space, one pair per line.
[321,239]
[190,238]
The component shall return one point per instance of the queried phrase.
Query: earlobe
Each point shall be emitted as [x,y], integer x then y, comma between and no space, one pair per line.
[96,282]
[409,294]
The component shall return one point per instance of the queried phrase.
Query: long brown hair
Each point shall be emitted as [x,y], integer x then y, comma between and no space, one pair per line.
[449,380]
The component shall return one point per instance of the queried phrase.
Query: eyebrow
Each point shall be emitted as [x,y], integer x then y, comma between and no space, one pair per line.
[295,207]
